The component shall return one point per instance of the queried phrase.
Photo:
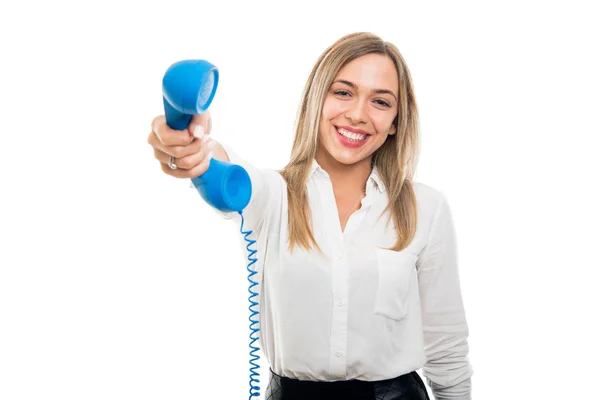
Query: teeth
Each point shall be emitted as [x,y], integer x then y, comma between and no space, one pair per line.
[351,135]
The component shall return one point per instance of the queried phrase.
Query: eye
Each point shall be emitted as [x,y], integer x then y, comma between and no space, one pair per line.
[383,103]
[342,93]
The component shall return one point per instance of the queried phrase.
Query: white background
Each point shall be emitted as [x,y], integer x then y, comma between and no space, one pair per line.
[118,282]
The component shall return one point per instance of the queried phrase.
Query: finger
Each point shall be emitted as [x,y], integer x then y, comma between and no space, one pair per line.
[176,151]
[193,160]
[200,124]
[187,173]
[168,136]
[188,162]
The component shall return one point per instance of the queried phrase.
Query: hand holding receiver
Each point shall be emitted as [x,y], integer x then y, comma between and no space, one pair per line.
[189,87]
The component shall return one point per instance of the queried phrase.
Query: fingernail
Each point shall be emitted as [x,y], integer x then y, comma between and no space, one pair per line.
[211,144]
[199,132]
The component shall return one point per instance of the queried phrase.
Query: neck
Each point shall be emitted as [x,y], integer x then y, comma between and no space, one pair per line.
[346,178]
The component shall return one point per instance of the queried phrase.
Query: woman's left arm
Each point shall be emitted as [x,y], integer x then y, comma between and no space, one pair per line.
[445,331]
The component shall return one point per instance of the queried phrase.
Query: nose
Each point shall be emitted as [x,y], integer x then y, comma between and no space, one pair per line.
[357,112]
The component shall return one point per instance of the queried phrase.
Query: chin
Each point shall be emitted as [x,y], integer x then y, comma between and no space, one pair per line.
[347,159]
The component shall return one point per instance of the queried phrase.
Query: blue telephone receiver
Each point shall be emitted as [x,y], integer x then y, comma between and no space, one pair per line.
[189,87]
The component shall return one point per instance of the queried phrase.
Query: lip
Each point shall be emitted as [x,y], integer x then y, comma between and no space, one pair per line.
[353,130]
[348,143]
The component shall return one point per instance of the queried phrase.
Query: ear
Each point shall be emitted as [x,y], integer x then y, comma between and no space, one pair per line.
[393,128]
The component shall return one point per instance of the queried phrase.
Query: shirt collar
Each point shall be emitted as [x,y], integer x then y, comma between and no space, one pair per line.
[374,178]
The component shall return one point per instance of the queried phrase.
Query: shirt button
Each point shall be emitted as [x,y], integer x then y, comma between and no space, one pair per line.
[338,354]
[340,302]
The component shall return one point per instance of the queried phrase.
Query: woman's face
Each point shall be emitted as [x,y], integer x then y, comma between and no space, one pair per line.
[358,111]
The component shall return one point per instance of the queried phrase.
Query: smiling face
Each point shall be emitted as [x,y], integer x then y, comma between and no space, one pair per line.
[358,112]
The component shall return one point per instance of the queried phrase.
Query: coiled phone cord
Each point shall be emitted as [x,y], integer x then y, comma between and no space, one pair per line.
[254,381]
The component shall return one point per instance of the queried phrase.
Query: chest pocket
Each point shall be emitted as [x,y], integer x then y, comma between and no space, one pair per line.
[396,274]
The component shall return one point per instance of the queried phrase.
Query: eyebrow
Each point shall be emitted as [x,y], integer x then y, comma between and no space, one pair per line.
[352,85]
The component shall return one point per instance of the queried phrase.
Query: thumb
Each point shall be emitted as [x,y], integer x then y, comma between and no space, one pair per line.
[200,125]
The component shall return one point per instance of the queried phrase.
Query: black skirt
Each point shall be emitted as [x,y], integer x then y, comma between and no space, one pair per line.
[405,387]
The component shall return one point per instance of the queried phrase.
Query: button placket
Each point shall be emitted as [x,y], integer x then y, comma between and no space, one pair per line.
[339,317]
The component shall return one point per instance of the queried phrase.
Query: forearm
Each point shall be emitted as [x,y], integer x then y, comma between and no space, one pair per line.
[219,152]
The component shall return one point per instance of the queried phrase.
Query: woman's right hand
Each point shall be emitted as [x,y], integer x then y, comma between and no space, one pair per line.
[191,148]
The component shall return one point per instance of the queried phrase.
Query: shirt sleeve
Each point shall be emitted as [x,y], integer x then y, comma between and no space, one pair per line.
[445,331]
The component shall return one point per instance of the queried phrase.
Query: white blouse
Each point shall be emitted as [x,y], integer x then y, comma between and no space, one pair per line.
[362,312]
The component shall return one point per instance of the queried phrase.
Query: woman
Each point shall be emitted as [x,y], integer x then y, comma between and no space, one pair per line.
[359,284]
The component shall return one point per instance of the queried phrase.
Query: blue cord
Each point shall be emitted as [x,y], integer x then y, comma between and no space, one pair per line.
[254,389]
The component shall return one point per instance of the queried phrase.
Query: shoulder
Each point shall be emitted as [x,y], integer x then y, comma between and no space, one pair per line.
[428,197]
[433,208]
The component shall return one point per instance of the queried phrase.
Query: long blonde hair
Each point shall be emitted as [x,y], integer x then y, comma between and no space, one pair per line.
[395,160]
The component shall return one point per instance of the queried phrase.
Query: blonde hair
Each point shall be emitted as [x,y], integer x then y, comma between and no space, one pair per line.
[395,160]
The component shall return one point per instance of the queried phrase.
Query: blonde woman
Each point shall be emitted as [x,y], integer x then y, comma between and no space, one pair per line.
[359,283]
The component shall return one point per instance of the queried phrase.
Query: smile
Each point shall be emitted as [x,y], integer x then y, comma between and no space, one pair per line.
[355,137]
